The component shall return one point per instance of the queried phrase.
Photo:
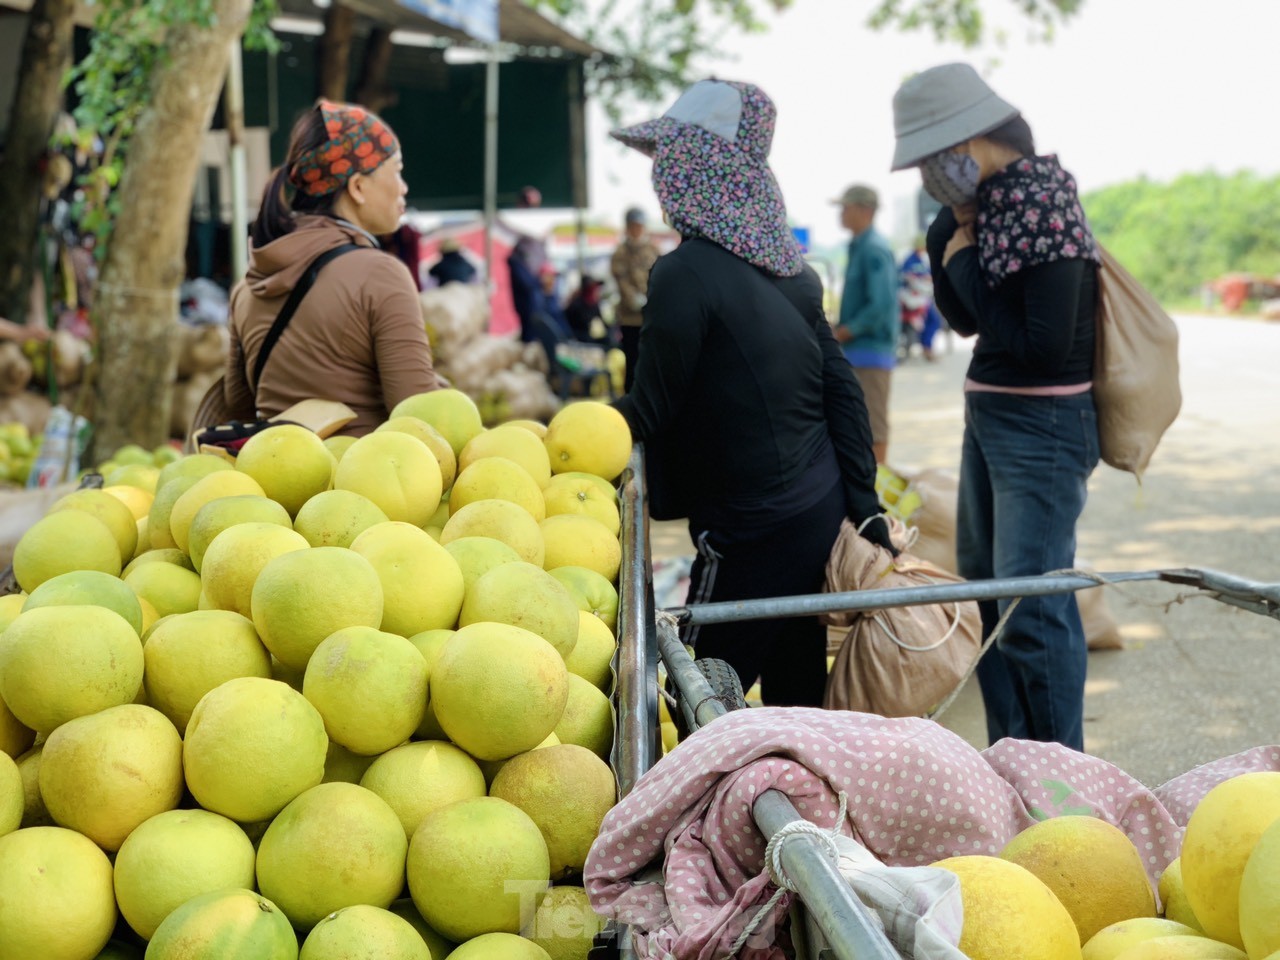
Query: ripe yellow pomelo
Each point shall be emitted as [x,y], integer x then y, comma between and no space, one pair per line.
[436,442]
[135,498]
[252,745]
[364,931]
[497,478]
[566,790]
[429,644]
[589,437]
[15,736]
[525,596]
[606,487]
[1008,912]
[13,797]
[224,483]
[1174,898]
[290,462]
[340,764]
[1091,866]
[537,428]
[491,768]
[10,606]
[104,774]
[162,508]
[111,511]
[217,515]
[33,812]
[65,541]
[57,902]
[88,588]
[369,686]
[336,517]
[234,559]
[1182,948]
[1220,835]
[587,719]
[193,467]
[578,541]
[166,586]
[670,736]
[1113,940]
[592,592]
[582,496]
[592,656]
[336,845]
[417,778]
[476,556]
[59,663]
[144,538]
[450,411]
[138,476]
[175,856]
[498,690]
[475,867]
[224,924]
[338,445]
[499,946]
[514,444]
[302,597]
[397,472]
[421,583]
[159,555]
[190,654]
[1260,895]
[501,520]
[564,924]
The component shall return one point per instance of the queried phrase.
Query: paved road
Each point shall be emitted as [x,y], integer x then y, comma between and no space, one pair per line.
[1197,680]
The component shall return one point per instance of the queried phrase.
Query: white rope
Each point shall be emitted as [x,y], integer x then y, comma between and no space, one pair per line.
[778,876]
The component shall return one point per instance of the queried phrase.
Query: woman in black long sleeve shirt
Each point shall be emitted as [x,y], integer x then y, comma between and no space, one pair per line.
[754,426]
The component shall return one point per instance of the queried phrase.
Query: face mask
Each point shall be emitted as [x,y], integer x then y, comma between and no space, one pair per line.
[951,178]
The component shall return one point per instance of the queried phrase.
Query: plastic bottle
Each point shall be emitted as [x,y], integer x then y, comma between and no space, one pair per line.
[60,449]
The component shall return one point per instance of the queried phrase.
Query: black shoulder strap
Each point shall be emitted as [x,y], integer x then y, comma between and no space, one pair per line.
[291,307]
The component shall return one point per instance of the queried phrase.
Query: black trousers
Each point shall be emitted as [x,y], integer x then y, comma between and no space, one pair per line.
[630,350]
[787,558]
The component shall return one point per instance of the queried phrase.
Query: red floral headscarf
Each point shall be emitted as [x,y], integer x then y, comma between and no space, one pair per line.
[358,142]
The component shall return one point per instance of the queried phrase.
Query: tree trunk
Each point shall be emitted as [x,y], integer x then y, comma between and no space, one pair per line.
[373,90]
[333,67]
[136,305]
[46,55]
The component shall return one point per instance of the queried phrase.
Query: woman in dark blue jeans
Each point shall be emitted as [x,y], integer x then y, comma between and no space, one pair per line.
[1013,262]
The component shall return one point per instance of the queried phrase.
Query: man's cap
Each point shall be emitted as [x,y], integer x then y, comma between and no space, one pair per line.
[859,195]
[636,215]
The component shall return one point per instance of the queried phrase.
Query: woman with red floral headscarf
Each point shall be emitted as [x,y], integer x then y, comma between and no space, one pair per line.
[357,336]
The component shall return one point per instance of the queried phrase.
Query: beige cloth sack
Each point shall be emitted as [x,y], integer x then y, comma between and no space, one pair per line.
[899,662]
[1135,376]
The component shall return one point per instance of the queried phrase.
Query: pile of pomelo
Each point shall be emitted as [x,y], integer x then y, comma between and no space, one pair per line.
[330,699]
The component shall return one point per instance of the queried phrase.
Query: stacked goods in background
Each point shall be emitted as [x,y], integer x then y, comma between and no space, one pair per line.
[202,359]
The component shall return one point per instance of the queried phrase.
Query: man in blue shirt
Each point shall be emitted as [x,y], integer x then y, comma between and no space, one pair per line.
[869,314]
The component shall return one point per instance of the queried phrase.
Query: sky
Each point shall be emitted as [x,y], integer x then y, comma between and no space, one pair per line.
[1126,88]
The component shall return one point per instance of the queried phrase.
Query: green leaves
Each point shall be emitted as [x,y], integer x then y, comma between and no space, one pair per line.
[963,21]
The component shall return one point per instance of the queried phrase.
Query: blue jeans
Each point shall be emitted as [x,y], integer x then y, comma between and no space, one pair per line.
[1024,473]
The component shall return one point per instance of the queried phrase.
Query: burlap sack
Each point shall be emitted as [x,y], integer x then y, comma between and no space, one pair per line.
[935,518]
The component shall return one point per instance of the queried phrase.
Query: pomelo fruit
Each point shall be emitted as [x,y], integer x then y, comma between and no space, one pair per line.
[436,442]
[1173,897]
[193,467]
[159,555]
[15,737]
[158,531]
[166,586]
[341,765]
[491,768]
[591,591]
[33,812]
[587,719]
[362,932]
[592,656]
[110,510]
[429,644]
[290,463]
[536,427]
[336,517]
[476,556]
[417,778]
[497,478]
[224,483]
[450,411]
[11,605]
[499,946]
[523,595]
[339,445]
[139,476]
[581,496]
[88,588]
[224,924]
[501,520]
[422,584]
[564,924]
[589,437]
[136,499]
[62,542]
[606,486]
[514,444]
[217,515]
[1182,948]
[12,796]
[234,559]
[397,472]
[1113,940]
[571,540]
[440,947]
[1260,895]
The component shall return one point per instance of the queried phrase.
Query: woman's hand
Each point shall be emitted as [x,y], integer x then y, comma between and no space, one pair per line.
[965,214]
[963,237]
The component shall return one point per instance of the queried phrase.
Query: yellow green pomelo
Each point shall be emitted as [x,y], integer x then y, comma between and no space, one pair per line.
[1182,948]
[498,690]
[193,467]
[572,540]
[159,555]
[138,501]
[56,901]
[417,778]
[592,656]
[88,588]
[564,924]
[566,790]
[162,509]
[476,556]
[104,774]
[234,559]
[523,595]
[360,931]
[397,472]
[334,518]
[302,597]
[370,688]
[436,442]
[499,946]
[223,924]
[1260,895]
[290,462]
[33,812]
[501,520]
[582,496]
[589,437]
[587,719]
[120,950]
[59,663]
[10,606]
[515,444]
[429,644]
[15,736]
[475,867]
[190,654]
[497,478]
[166,586]
[440,947]
[12,796]
[606,487]
[225,483]
[175,856]
[1111,941]
[1221,833]
[341,765]
[217,515]
[536,427]
[491,768]
[62,542]
[591,592]
[339,445]
[1173,897]
[421,583]
[252,745]
[336,845]
[140,476]
[110,510]
[450,411]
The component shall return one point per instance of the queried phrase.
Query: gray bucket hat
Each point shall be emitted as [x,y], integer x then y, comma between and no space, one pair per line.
[940,107]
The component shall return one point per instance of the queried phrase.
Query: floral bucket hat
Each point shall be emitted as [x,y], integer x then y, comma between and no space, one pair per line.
[711,172]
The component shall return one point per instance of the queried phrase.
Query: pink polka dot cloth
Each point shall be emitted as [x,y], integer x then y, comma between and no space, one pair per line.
[681,860]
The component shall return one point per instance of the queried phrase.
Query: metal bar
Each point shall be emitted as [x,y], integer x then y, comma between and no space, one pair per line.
[844,921]
[696,693]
